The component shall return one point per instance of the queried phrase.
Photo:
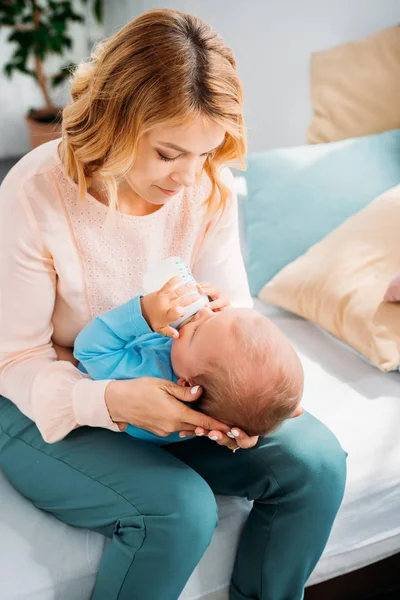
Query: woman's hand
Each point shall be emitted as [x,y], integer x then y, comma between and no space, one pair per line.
[164,306]
[153,404]
[233,439]
[218,301]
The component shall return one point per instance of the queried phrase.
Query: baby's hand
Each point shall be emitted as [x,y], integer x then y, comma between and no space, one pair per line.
[217,300]
[166,305]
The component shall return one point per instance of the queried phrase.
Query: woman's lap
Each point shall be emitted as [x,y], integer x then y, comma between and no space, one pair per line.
[303,443]
[104,481]
[303,447]
[296,477]
[116,465]
[159,514]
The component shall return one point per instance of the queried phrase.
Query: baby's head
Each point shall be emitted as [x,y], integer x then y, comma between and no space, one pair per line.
[250,373]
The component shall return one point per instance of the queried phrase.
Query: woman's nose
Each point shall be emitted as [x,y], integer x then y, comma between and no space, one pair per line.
[186,177]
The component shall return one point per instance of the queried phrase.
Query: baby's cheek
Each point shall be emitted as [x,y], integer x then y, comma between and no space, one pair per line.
[177,353]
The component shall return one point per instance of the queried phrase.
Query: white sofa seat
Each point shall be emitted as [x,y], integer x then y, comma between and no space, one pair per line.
[43,559]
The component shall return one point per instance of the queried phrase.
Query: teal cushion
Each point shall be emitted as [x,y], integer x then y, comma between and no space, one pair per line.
[296,196]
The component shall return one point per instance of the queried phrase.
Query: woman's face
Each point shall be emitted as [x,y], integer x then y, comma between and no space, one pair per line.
[159,165]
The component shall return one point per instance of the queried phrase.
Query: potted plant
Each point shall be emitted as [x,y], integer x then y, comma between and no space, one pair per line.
[39,28]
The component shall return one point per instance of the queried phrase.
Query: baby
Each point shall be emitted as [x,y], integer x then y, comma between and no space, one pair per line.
[250,374]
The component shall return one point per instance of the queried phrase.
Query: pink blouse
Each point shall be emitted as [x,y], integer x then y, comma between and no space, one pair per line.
[62,263]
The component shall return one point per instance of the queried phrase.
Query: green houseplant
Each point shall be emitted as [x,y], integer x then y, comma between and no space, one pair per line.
[39,29]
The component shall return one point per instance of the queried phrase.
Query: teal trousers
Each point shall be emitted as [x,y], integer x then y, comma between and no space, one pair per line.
[157,505]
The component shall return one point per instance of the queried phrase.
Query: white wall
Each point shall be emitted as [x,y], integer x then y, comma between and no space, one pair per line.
[272,41]
[20,93]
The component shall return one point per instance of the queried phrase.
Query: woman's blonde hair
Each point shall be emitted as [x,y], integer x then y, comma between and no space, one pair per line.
[164,66]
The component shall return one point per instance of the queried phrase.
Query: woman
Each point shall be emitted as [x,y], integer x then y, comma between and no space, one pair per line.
[155,114]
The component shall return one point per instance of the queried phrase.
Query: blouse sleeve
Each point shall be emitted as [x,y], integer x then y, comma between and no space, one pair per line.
[109,346]
[54,394]
[220,259]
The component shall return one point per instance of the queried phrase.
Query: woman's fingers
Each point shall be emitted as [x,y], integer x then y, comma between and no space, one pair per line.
[248,442]
[208,423]
[201,431]
[219,304]
[216,436]
[242,439]
[238,436]
[208,290]
[217,300]
[188,429]
[186,433]
[223,440]
[185,393]
[230,439]
[193,420]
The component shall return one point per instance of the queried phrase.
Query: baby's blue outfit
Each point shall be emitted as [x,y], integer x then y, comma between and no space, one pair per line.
[119,344]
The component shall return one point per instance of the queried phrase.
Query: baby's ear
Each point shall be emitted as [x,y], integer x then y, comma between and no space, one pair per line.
[299,411]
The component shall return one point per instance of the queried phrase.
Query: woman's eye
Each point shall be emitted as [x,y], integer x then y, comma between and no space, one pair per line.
[168,159]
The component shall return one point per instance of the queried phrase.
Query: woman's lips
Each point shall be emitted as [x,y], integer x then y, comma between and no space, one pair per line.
[168,192]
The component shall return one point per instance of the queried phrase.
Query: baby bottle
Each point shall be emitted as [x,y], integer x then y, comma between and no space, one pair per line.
[162,272]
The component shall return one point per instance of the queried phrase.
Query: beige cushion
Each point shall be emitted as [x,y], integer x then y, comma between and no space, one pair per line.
[355,88]
[340,282]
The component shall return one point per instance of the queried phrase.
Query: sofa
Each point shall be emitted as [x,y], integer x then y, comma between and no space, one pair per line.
[43,559]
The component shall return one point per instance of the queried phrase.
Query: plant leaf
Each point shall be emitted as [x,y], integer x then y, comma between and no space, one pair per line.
[98,10]
[64,73]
